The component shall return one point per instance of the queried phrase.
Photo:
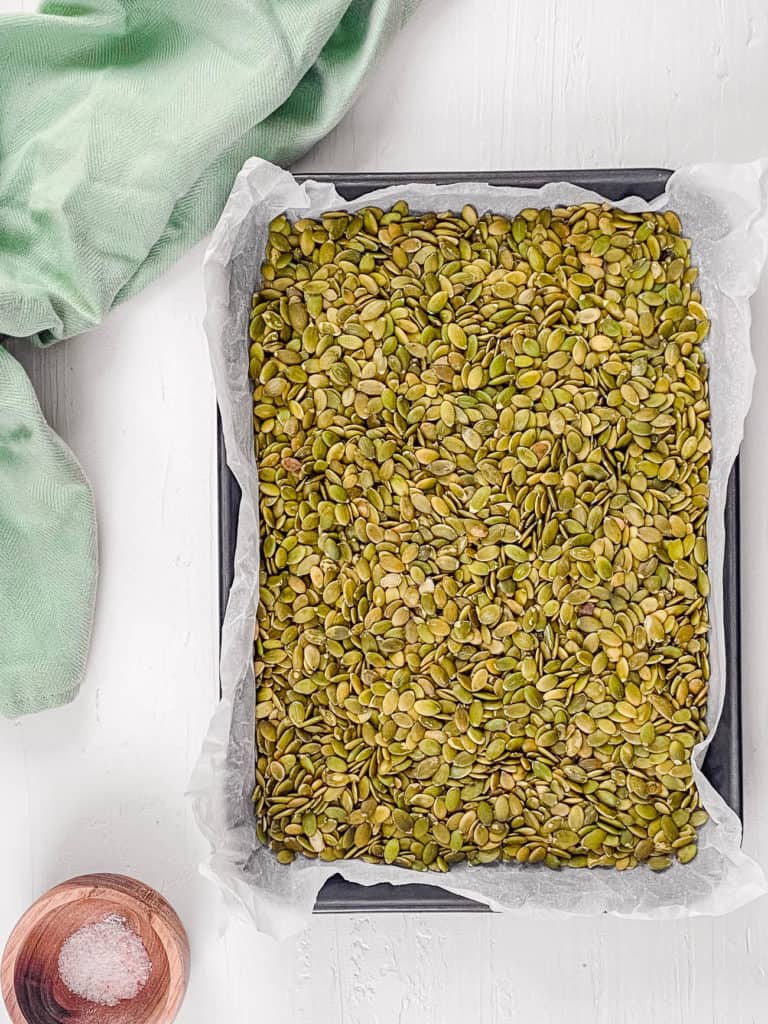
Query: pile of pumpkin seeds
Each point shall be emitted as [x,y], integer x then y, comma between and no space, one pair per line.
[483,447]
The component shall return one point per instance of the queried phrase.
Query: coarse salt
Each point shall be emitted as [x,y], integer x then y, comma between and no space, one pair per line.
[105,961]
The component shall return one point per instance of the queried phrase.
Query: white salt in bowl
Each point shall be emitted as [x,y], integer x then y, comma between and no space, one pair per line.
[82,935]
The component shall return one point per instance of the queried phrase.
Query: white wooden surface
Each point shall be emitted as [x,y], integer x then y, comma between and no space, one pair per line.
[99,785]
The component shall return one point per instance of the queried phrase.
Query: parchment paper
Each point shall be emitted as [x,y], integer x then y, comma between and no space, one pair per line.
[724,210]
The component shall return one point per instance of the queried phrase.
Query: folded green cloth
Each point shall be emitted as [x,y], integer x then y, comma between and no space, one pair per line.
[122,126]
[47,555]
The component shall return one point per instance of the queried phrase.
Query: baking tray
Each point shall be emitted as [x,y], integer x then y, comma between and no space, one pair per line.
[723,763]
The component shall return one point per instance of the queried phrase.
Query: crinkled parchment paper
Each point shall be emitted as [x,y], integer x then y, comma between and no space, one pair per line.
[724,210]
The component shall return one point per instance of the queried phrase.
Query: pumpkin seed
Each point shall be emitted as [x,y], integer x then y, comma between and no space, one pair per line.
[483,449]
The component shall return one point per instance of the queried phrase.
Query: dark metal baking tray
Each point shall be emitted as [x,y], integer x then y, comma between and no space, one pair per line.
[723,764]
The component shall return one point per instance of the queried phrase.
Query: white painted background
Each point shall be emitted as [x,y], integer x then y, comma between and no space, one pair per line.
[98,786]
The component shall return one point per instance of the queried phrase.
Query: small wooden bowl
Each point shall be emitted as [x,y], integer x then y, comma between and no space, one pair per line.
[32,989]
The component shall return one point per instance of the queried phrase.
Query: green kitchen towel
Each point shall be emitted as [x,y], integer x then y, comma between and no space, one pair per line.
[122,126]
[47,555]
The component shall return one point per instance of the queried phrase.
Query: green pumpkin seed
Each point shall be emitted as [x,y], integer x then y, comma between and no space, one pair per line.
[483,450]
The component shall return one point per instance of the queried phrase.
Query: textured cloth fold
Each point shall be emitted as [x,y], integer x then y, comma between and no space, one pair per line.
[123,124]
[47,555]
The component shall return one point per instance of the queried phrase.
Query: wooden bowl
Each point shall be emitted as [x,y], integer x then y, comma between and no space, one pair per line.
[32,989]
